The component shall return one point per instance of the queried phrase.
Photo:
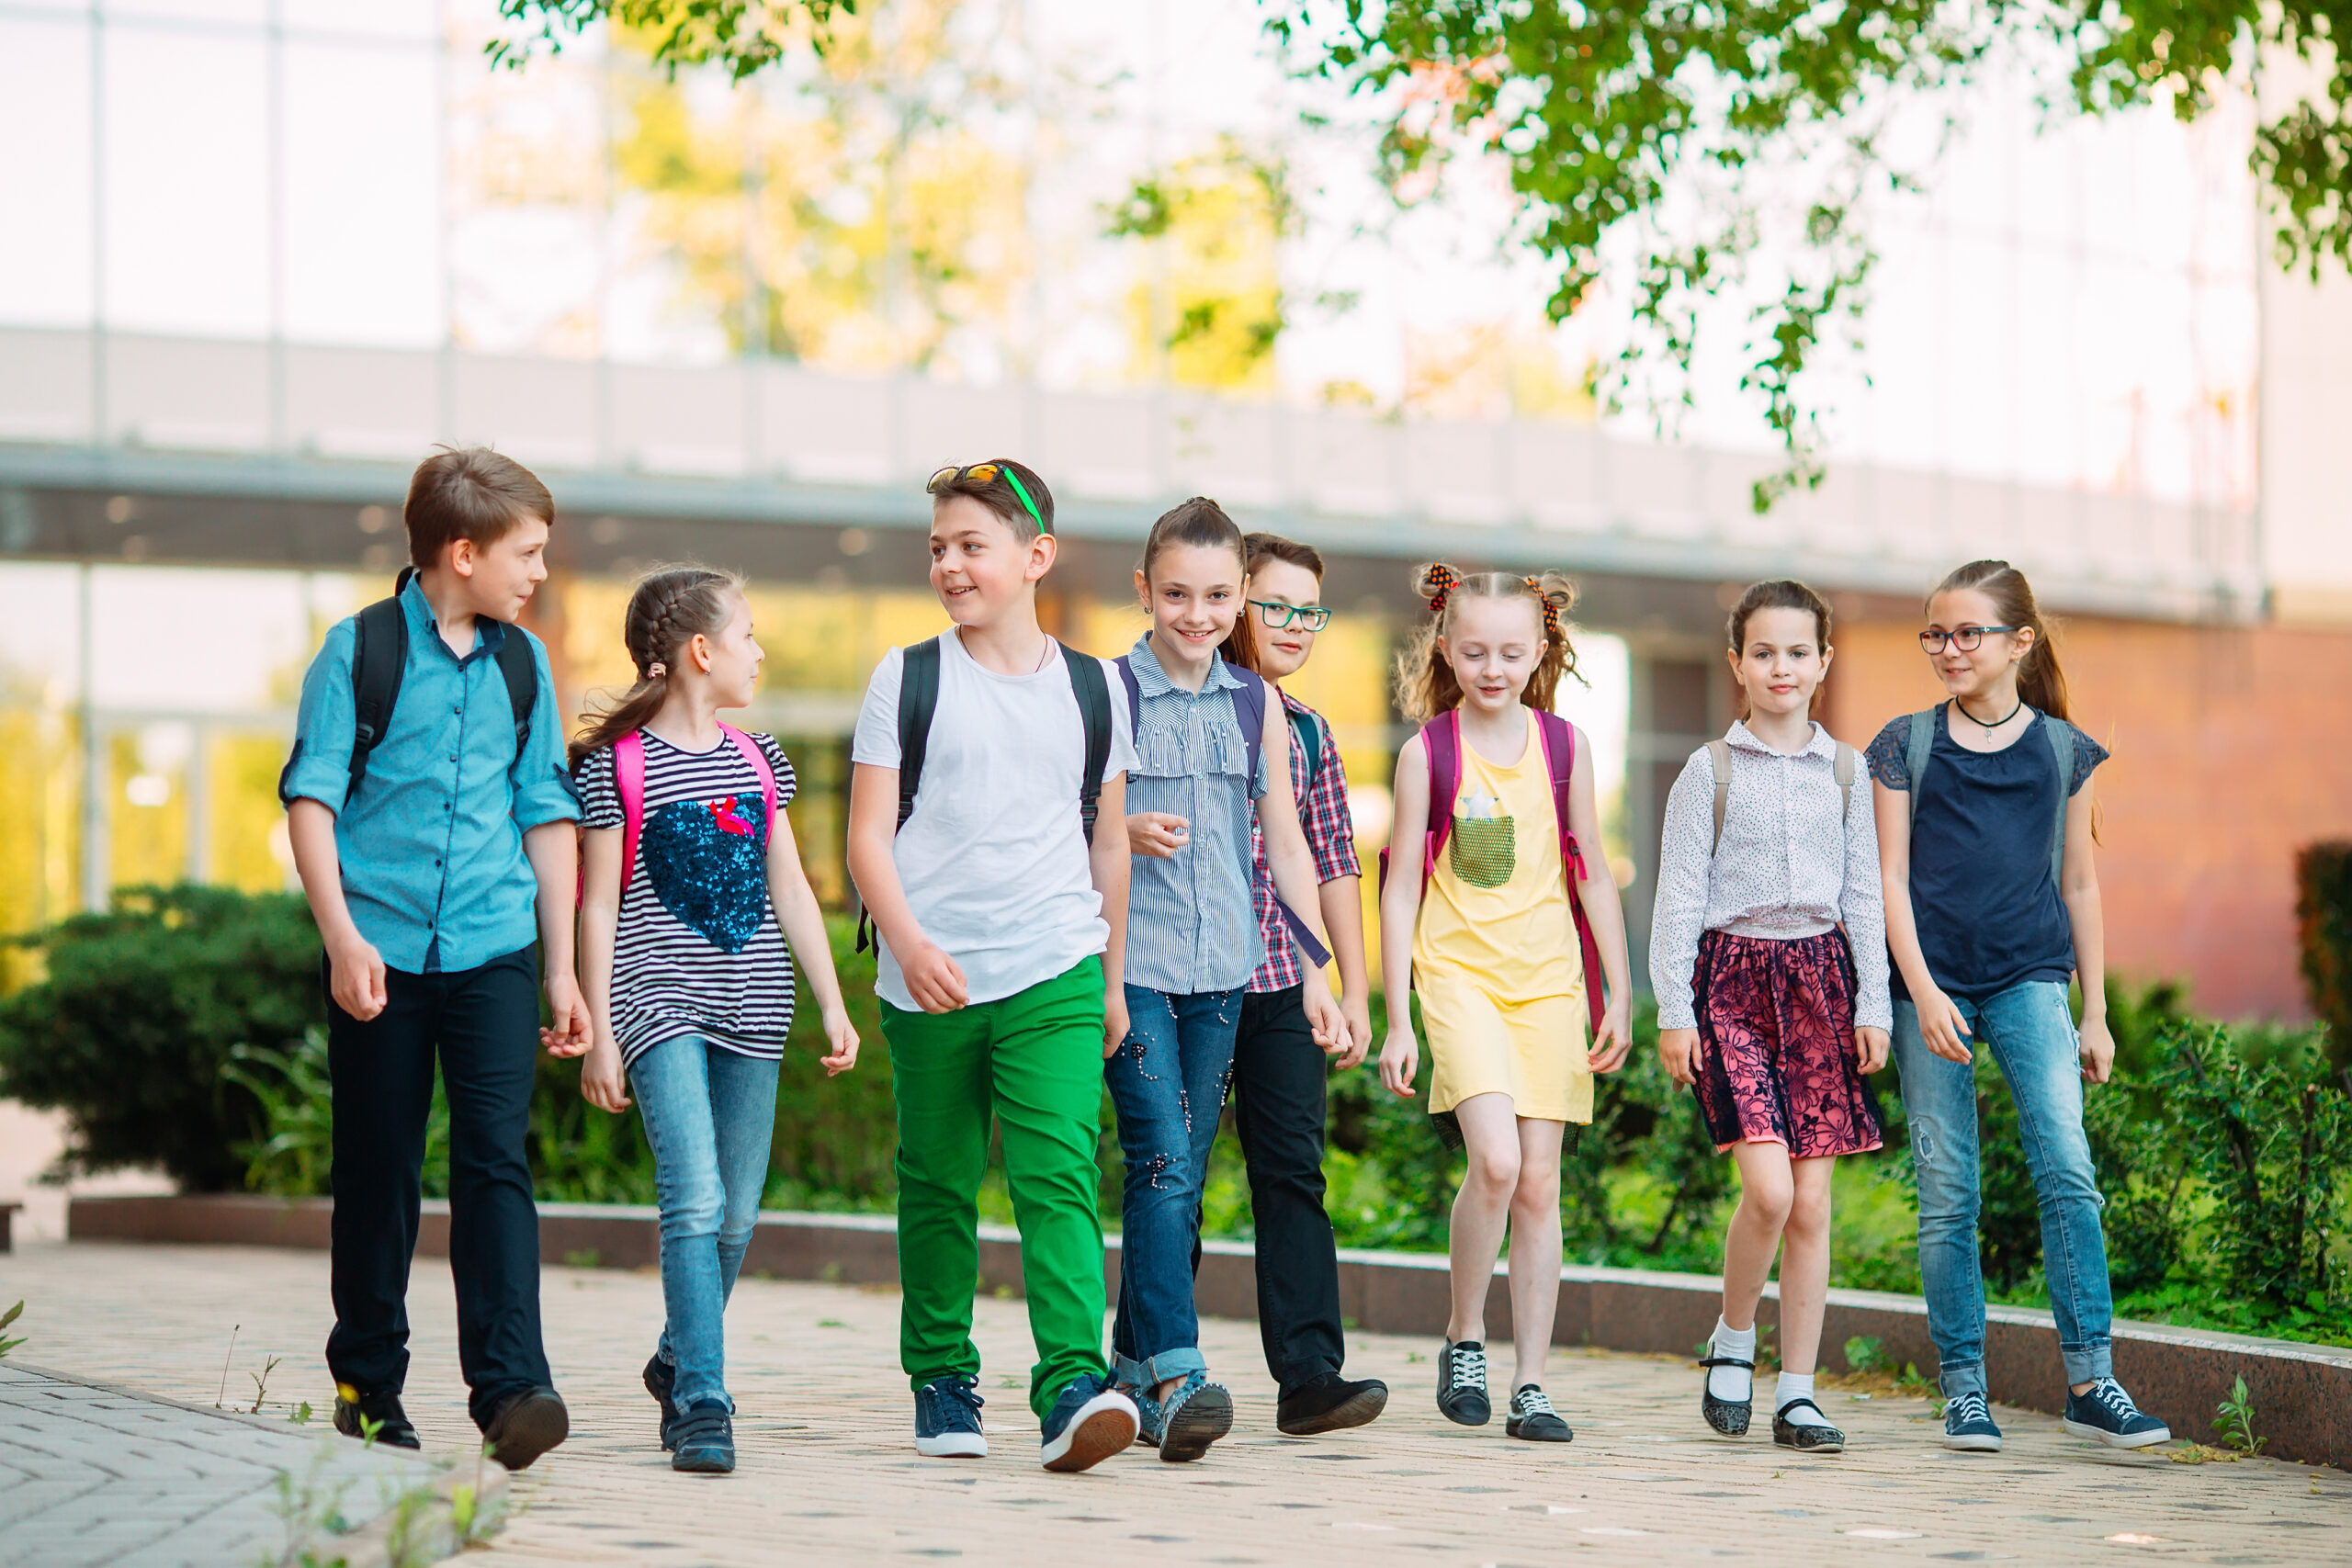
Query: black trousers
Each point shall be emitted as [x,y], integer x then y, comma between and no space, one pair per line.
[484,1023]
[1278,1108]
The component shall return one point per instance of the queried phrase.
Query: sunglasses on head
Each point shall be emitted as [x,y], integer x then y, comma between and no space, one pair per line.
[988,473]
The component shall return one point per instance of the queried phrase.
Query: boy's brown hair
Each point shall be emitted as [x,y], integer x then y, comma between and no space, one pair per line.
[469,493]
[986,484]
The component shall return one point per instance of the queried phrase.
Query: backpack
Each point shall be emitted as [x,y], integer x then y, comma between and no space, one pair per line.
[919,701]
[1249,710]
[379,658]
[628,782]
[1922,745]
[1441,738]
[1719,759]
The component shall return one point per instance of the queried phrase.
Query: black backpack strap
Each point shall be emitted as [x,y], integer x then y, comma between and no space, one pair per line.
[522,673]
[918,700]
[1134,692]
[1093,692]
[378,658]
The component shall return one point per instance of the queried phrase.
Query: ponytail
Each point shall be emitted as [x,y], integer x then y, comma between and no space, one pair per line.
[667,610]
[2040,683]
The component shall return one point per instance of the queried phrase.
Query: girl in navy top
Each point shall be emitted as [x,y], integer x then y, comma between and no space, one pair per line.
[1991,903]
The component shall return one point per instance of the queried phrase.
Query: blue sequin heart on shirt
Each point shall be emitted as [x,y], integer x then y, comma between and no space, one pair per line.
[708,862]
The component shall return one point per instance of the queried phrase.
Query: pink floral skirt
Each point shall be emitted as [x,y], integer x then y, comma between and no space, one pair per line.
[1776,1046]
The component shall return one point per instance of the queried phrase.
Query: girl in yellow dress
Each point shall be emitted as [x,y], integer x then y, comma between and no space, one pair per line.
[1500,934]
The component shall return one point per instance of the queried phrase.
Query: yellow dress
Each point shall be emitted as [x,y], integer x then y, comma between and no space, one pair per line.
[1495,954]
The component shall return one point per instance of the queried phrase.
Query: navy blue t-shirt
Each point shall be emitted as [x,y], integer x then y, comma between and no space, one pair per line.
[1987,909]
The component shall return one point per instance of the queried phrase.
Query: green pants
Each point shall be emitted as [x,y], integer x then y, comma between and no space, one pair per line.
[1034,1060]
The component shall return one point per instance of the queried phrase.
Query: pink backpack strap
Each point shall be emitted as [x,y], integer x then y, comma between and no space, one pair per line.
[628,782]
[759,761]
[1441,738]
[1560,761]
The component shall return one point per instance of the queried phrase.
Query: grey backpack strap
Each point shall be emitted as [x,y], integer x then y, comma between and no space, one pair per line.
[2062,746]
[1719,758]
[1921,747]
[1845,769]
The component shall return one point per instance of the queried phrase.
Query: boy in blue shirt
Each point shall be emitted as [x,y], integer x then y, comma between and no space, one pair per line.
[431,818]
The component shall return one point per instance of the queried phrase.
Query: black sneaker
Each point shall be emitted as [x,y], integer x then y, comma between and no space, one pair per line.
[1968,1425]
[947,1419]
[661,1383]
[376,1415]
[1816,1437]
[1729,1416]
[1533,1417]
[1329,1402]
[528,1425]
[1088,1424]
[1462,1383]
[705,1440]
[2104,1411]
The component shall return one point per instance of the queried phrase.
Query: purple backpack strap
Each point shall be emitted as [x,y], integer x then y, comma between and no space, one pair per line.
[628,782]
[759,761]
[1560,758]
[1249,710]
[1134,693]
[1442,737]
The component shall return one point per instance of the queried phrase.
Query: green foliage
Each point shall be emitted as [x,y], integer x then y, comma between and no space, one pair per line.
[134,1026]
[2323,927]
[741,35]
[7,1343]
[1864,1354]
[2233,1419]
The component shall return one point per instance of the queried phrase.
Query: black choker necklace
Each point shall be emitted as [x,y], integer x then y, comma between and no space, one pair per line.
[1962,709]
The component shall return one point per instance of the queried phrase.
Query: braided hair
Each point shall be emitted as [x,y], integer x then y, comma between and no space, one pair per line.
[668,609]
[1426,686]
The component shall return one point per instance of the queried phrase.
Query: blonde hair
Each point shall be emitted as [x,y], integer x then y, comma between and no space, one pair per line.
[1425,683]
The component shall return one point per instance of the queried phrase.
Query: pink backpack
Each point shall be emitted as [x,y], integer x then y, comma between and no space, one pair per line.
[1441,738]
[629,779]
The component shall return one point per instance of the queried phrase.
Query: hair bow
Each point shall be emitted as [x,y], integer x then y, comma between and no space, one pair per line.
[1551,609]
[1445,580]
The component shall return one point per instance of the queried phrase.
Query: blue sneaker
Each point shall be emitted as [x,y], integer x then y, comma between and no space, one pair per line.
[704,1439]
[1088,1424]
[2104,1411]
[1183,1426]
[1968,1425]
[947,1419]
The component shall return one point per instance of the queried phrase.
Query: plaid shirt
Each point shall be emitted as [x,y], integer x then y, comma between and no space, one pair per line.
[1330,837]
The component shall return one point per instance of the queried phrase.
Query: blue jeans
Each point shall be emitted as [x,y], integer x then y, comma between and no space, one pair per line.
[1168,1083]
[709,1113]
[2033,1038]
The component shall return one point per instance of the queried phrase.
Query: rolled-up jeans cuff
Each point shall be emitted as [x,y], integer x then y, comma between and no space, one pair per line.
[2088,1363]
[1966,1377]
[1155,1370]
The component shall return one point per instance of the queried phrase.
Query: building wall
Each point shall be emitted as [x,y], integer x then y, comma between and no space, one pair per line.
[2232,751]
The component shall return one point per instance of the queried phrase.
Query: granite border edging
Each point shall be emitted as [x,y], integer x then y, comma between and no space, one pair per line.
[2301,1394]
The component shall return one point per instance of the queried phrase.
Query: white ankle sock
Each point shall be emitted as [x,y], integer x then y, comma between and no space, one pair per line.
[1734,1383]
[1795,1385]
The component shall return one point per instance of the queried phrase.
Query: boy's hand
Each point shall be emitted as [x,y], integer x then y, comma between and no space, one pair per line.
[1323,1014]
[843,1036]
[1612,1040]
[572,1032]
[1872,1046]
[1678,1051]
[1400,1061]
[1158,834]
[934,980]
[355,978]
[1359,1015]
[1115,1021]
[603,1082]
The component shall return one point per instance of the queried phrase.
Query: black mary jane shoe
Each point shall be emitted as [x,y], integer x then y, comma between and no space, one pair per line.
[1729,1416]
[1806,1437]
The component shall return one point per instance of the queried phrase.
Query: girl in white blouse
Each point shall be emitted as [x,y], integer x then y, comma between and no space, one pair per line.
[1768,1009]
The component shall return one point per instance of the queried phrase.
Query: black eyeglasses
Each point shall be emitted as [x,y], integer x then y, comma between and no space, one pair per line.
[1276,615]
[1968,639]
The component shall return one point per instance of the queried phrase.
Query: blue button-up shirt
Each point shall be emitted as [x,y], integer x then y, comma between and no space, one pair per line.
[1190,924]
[432,844]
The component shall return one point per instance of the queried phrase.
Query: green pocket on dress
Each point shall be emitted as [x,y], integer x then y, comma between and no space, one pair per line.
[1485,850]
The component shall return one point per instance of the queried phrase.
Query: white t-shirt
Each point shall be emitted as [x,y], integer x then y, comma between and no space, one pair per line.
[993,860]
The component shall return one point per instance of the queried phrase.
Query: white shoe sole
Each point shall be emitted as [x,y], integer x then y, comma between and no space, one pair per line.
[953,1444]
[2119,1439]
[1974,1443]
[1105,1425]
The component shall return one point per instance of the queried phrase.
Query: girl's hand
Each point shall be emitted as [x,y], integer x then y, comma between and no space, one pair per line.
[1115,1021]
[603,1082]
[1323,1014]
[1158,834]
[1358,1015]
[843,1036]
[2097,1050]
[1400,1061]
[1945,1028]
[1678,1051]
[934,980]
[1613,1041]
[1872,1047]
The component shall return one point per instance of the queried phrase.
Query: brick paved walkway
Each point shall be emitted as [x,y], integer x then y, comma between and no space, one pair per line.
[829,1475]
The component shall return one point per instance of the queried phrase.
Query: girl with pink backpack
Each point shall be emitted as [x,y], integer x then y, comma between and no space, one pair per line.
[690,887]
[1506,934]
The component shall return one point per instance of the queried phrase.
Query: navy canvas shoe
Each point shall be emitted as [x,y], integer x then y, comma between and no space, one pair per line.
[1968,1425]
[705,1440]
[1088,1424]
[661,1383]
[1183,1426]
[1462,1383]
[2104,1411]
[947,1419]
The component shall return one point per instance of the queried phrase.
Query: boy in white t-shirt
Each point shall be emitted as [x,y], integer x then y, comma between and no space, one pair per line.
[982,759]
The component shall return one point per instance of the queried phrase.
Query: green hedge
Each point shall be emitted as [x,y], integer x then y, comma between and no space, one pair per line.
[2323,928]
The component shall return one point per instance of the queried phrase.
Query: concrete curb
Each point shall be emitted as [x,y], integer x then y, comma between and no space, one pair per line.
[2301,1394]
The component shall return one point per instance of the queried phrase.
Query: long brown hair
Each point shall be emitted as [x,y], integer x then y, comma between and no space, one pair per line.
[1425,683]
[2040,680]
[1260,549]
[669,607]
[1202,521]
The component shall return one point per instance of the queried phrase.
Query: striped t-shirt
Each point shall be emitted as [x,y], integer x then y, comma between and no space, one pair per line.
[698,951]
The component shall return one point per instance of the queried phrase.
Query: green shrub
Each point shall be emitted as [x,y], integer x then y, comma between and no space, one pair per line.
[132,1029]
[2323,928]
